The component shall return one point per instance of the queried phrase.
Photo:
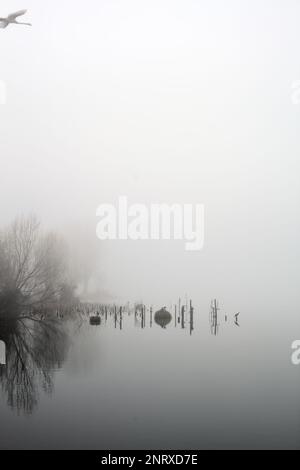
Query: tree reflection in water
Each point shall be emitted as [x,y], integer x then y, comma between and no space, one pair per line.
[34,349]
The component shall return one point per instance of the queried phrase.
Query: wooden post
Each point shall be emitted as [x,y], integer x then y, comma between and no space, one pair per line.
[191,318]
[215,317]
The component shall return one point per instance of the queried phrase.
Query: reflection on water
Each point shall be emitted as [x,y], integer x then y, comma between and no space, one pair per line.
[34,349]
[159,376]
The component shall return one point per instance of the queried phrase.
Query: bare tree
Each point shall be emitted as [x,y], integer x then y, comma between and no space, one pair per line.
[33,264]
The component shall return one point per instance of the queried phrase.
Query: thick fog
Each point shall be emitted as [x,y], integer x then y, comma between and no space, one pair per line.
[162,101]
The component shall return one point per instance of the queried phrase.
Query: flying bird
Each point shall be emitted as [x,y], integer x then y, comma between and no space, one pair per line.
[236,316]
[12,19]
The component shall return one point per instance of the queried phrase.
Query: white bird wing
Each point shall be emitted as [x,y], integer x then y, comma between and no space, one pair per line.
[13,16]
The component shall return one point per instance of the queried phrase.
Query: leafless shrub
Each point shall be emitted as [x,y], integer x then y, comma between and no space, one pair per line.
[33,265]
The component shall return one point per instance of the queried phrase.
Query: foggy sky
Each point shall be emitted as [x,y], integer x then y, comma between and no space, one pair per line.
[162,101]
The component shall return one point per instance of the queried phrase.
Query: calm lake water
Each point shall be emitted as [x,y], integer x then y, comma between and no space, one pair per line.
[136,384]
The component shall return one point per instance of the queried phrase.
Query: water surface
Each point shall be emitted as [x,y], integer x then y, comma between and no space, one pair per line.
[133,383]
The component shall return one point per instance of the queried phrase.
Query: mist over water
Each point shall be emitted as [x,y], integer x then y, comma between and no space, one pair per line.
[163,102]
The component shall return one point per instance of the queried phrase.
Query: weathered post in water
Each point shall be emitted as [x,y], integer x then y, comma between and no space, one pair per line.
[214,319]
[191,318]
[182,317]
[115,315]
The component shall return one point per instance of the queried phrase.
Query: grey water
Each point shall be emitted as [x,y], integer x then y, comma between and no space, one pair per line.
[134,382]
